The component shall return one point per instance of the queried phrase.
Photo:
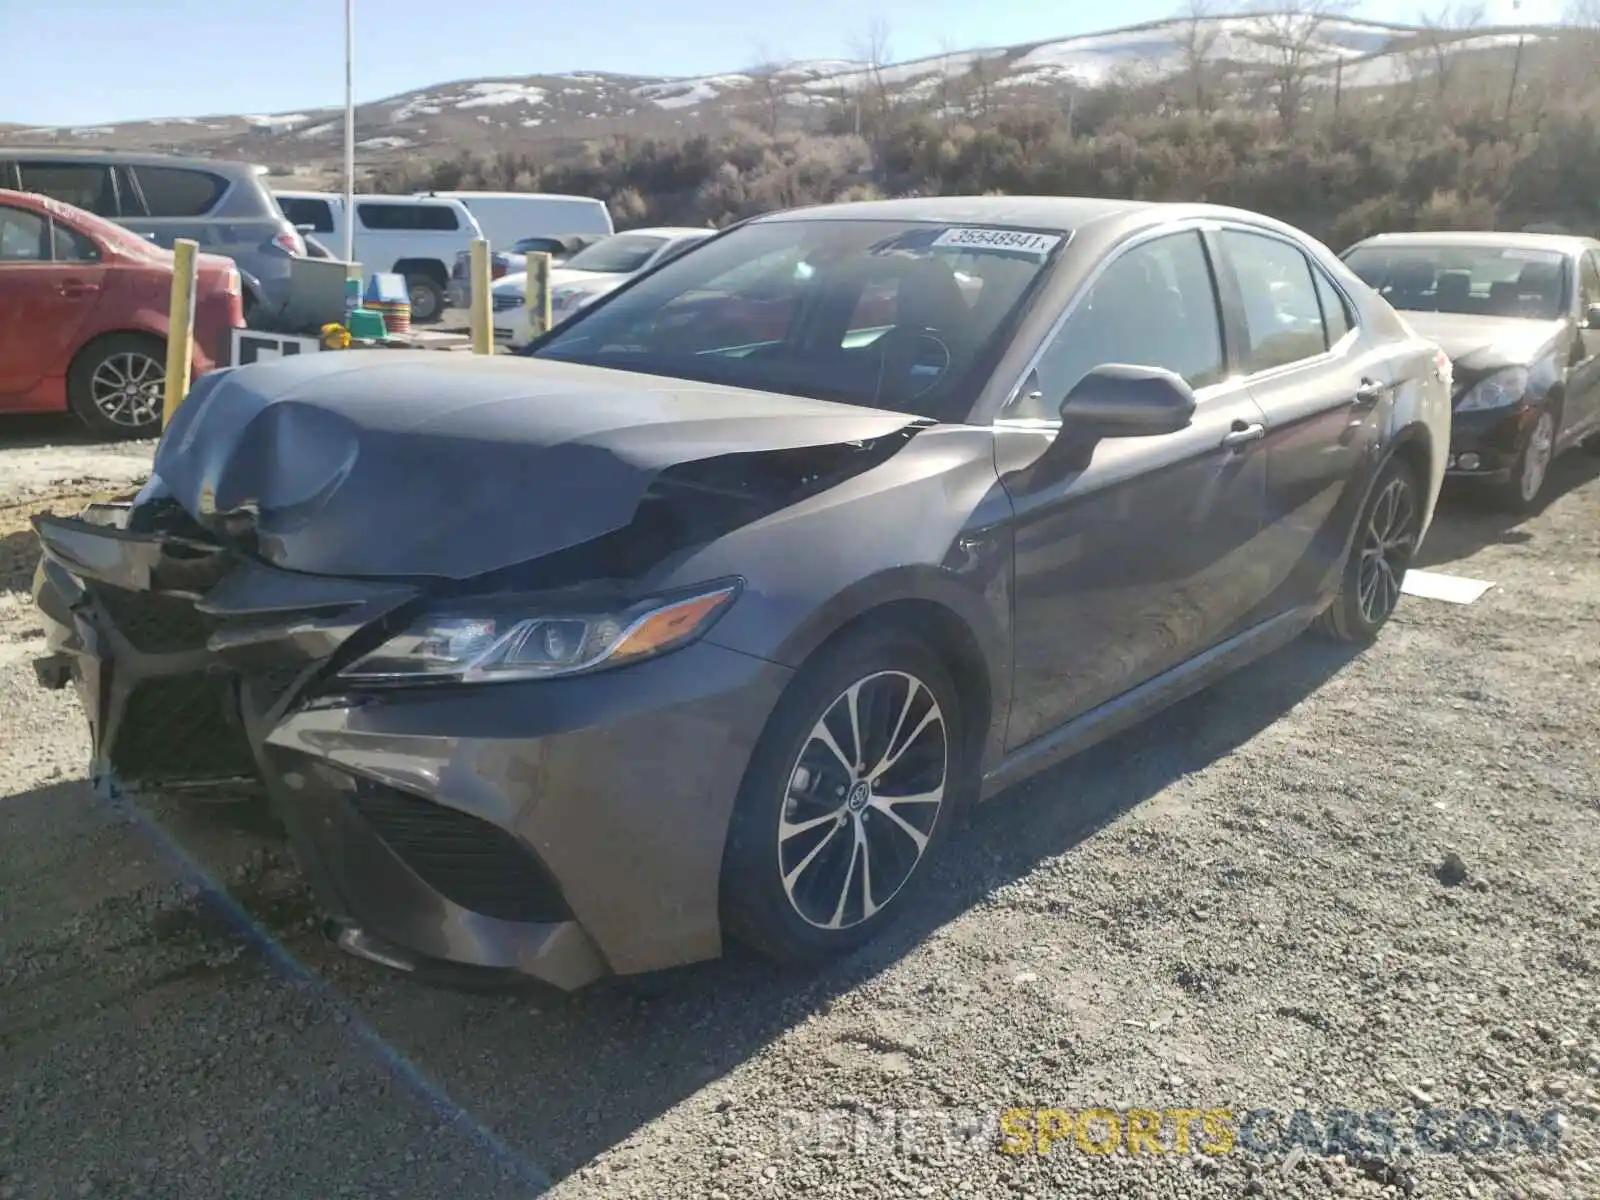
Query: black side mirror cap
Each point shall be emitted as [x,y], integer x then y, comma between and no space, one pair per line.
[1123,400]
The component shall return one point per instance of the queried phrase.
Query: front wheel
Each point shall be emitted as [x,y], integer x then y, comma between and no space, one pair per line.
[427,298]
[1380,554]
[1521,492]
[850,787]
[117,385]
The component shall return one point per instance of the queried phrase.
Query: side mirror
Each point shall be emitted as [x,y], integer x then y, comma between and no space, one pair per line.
[1591,317]
[1118,400]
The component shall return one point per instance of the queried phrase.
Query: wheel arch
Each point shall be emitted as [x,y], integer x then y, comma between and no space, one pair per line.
[433,268]
[955,623]
[106,335]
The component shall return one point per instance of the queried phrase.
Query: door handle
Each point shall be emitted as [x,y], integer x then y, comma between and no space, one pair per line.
[73,290]
[1369,393]
[1242,434]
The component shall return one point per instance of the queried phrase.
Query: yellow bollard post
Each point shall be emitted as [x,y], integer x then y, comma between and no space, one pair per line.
[538,294]
[180,326]
[482,323]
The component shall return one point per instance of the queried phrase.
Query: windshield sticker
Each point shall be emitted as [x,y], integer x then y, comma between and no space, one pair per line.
[1538,256]
[1015,240]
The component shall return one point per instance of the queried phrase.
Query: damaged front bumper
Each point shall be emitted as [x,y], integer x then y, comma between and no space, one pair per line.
[562,828]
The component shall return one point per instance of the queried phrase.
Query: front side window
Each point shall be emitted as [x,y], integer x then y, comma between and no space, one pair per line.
[71,246]
[1155,305]
[1477,278]
[305,210]
[23,237]
[907,316]
[81,185]
[1283,315]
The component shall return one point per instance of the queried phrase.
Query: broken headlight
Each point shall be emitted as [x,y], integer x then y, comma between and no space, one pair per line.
[494,641]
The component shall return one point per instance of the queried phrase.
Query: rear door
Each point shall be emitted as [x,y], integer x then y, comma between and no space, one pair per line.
[44,303]
[1325,390]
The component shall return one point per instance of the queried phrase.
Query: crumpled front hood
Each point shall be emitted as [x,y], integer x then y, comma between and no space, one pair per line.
[1477,343]
[387,463]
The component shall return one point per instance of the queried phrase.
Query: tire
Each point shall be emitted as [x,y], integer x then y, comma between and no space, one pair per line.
[799,896]
[427,298]
[1380,554]
[117,384]
[1521,493]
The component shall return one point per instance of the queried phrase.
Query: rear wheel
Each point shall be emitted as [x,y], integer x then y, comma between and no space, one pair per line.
[116,386]
[850,788]
[1380,554]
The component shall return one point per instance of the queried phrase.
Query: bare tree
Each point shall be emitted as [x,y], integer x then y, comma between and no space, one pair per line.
[1441,31]
[872,48]
[1289,36]
[770,88]
[1197,40]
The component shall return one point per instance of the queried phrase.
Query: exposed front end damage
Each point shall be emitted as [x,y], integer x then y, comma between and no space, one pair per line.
[563,828]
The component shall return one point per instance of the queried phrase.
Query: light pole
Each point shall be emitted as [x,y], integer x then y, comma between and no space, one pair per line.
[349,131]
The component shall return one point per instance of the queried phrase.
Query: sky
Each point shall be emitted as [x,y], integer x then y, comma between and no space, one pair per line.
[87,62]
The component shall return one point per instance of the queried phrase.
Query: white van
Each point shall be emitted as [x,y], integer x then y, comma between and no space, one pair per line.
[508,217]
[415,236]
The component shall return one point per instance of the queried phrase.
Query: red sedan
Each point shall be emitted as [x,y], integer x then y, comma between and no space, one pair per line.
[83,316]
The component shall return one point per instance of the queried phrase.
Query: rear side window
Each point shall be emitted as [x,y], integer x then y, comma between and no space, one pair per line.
[307,210]
[22,237]
[433,217]
[1336,314]
[82,185]
[179,191]
[1283,316]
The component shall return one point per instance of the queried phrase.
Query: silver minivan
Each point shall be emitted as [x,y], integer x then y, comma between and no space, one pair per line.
[225,206]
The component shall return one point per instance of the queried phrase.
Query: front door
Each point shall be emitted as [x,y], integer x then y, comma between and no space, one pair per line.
[1145,557]
[1581,412]
[45,298]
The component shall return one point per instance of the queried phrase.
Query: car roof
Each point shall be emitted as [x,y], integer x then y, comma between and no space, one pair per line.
[129,158]
[669,231]
[1061,213]
[1566,242]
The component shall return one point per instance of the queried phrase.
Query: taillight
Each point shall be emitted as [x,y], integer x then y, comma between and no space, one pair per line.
[231,283]
[497,269]
[290,243]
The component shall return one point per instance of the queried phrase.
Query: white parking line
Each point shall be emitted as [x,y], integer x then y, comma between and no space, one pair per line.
[1452,589]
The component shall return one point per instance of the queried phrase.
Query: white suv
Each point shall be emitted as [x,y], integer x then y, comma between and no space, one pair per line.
[415,236]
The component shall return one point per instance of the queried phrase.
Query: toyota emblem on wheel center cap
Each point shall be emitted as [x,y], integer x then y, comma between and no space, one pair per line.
[859,795]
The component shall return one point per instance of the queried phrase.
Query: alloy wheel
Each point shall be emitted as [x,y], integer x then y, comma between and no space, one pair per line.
[424,302]
[128,389]
[863,798]
[1388,542]
[1536,458]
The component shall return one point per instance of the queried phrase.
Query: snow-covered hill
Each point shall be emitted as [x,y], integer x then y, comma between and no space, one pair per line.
[509,113]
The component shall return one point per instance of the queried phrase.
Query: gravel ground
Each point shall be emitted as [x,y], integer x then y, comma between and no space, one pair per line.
[1333,882]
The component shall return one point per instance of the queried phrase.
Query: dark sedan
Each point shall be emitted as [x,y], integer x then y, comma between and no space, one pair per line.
[1519,316]
[585,660]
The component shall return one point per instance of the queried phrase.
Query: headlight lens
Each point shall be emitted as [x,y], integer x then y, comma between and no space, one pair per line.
[496,641]
[1500,390]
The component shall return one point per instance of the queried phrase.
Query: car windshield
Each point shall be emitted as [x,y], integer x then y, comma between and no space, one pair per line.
[1482,279]
[620,255]
[899,315]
